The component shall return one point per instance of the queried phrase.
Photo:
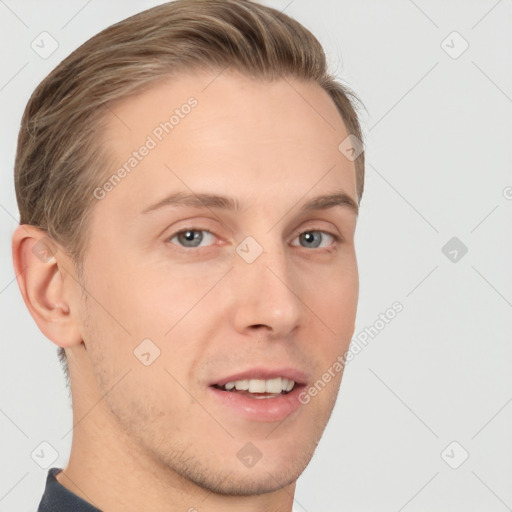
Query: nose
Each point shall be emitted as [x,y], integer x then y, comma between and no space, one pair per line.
[267,295]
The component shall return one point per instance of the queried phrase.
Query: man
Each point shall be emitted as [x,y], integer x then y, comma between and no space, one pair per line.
[188,183]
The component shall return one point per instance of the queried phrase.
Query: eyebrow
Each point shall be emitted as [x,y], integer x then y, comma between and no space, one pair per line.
[203,200]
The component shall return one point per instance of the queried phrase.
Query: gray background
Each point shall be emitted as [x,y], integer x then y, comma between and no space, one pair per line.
[438,132]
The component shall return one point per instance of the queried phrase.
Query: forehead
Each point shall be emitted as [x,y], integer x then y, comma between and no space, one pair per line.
[223,132]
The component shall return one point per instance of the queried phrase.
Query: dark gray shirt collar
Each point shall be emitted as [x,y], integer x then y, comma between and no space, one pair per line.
[57,498]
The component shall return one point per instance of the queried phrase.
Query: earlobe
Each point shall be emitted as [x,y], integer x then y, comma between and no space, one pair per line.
[40,267]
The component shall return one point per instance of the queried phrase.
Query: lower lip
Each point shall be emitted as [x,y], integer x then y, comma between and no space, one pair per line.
[259,409]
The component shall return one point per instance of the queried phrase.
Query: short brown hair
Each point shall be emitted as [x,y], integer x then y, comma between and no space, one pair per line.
[60,158]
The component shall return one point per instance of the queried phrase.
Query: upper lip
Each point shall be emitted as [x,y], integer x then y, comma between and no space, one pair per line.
[264,373]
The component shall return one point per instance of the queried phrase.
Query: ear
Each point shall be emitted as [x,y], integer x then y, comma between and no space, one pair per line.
[41,269]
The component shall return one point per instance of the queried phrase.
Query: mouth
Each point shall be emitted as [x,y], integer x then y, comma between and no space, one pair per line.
[260,395]
[259,388]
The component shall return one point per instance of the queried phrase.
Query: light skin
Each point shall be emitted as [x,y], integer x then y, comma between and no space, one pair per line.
[152,437]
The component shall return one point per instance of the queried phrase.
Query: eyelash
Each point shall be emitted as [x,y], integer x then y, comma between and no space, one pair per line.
[337,238]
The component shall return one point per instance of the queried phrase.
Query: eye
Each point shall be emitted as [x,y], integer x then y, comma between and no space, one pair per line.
[313,239]
[192,237]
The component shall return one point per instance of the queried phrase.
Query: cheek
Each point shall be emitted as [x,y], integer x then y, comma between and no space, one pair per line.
[114,310]
[335,304]
[342,307]
[129,301]
[155,298]
[334,299]
[137,372]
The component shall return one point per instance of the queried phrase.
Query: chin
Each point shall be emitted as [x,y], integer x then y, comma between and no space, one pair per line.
[253,485]
[232,478]
[246,482]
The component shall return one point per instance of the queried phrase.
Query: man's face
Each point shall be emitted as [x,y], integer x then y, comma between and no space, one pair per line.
[262,291]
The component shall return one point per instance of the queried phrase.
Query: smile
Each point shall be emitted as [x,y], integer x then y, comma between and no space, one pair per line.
[260,388]
[260,394]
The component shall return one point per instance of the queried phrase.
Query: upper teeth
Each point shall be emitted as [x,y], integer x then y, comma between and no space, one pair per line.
[261,386]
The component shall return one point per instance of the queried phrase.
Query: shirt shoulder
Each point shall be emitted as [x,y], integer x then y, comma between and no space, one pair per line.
[57,498]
